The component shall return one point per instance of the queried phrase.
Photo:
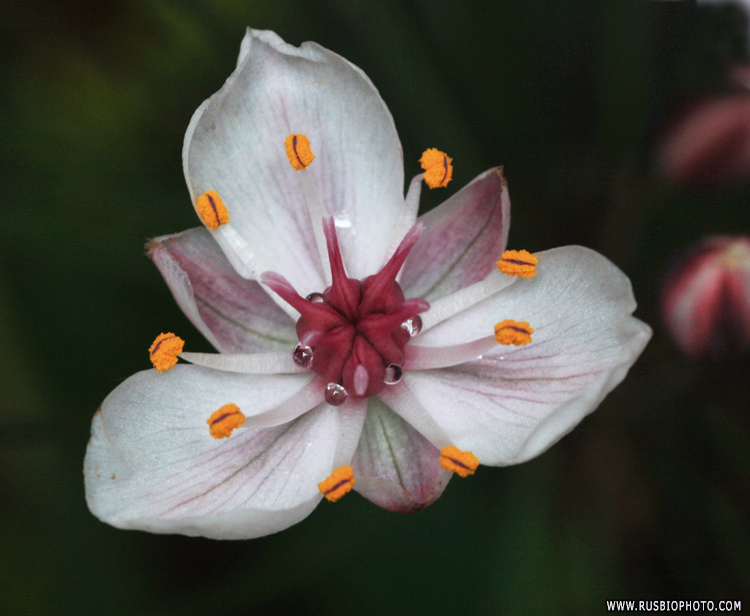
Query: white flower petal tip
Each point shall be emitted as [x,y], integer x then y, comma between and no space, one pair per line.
[235,146]
[153,464]
[517,401]
[360,347]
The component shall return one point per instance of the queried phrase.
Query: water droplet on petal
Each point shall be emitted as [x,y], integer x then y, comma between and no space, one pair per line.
[303,355]
[315,298]
[393,374]
[342,221]
[335,395]
[413,325]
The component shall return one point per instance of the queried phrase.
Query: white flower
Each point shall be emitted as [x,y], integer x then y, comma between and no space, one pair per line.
[505,362]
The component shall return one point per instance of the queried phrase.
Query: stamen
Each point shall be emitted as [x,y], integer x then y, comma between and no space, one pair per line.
[223,421]
[338,483]
[463,463]
[513,332]
[519,263]
[211,209]
[458,301]
[438,168]
[300,157]
[270,362]
[164,351]
[407,217]
[310,396]
[350,429]
[298,151]
[429,358]
[403,401]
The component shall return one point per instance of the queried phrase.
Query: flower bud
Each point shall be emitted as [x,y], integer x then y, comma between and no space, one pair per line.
[709,143]
[706,299]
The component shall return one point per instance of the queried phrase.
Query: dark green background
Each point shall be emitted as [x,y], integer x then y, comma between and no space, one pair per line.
[648,499]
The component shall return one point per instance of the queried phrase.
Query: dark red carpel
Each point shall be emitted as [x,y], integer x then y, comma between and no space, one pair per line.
[355,333]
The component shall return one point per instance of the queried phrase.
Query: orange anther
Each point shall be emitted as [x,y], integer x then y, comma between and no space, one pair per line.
[211,209]
[463,463]
[438,170]
[298,151]
[519,263]
[164,351]
[513,332]
[338,483]
[226,419]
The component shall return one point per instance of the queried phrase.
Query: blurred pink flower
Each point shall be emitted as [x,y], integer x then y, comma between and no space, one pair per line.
[360,346]
[706,300]
[709,143]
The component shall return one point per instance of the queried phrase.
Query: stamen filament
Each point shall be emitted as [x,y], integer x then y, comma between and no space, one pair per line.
[273,362]
[300,158]
[407,217]
[401,399]
[428,358]
[306,399]
[350,428]
[318,211]
[460,300]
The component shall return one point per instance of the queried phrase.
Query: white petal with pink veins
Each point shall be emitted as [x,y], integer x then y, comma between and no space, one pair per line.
[152,464]
[516,402]
[235,146]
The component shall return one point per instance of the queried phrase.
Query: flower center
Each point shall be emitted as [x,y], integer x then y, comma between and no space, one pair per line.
[353,334]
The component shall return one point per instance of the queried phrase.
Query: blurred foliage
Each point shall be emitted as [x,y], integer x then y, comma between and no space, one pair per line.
[648,499]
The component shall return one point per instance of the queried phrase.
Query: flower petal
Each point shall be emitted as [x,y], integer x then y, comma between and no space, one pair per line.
[395,466]
[152,465]
[464,238]
[515,402]
[235,146]
[235,314]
